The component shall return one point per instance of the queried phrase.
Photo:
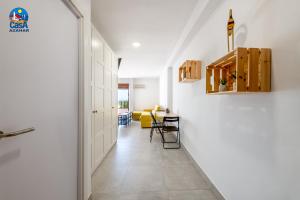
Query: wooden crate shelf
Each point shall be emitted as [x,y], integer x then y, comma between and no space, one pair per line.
[190,71]
[244,69]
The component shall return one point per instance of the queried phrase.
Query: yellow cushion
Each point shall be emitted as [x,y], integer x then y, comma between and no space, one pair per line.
[146,120]
[157,108]
[147,110]
[136,115]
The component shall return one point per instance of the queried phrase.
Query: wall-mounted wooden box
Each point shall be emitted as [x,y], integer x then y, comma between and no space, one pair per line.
[190,71]
[244,70]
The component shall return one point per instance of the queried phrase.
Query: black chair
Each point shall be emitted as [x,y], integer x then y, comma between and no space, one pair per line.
[157,126]
[171,124]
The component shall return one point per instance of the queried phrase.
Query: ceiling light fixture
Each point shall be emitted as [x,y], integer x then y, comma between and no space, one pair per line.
[136,44]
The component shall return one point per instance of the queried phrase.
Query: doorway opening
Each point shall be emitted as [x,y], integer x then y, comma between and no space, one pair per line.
[123,98]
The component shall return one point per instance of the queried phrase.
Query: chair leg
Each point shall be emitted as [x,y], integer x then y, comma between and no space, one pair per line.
[162,135]
[177,141]
[157,130]
[151,134]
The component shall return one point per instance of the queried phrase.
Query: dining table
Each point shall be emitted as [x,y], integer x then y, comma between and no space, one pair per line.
[160,115]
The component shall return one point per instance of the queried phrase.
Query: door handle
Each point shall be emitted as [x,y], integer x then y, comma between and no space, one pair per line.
[16,133]
[94,111]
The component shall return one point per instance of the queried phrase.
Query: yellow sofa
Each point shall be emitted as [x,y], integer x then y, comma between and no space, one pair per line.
[136,115]
[146,120]
[145,116]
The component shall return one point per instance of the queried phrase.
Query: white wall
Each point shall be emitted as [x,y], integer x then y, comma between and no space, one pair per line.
[166,88]
[249,144]
[85,8]
[142,98]
[148,97]
[59,150]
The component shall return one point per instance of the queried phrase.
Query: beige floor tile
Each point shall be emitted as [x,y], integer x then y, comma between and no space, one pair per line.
[135,196]
[108,180]
[191,195]
[183,177]
[143,179]
[172,157]
[136,169]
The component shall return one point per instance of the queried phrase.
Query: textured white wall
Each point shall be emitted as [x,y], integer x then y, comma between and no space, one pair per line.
[249,144]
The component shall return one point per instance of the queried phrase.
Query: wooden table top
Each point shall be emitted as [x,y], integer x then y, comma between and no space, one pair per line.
[164,114]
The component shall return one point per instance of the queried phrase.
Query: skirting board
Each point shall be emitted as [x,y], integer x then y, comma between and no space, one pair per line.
[91,195]
[104,157]
[213,188]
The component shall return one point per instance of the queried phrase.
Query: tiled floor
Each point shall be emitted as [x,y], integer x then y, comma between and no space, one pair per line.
[136,169]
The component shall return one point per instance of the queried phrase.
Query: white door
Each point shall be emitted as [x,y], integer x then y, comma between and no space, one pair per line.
[104,98]
[39,88]
[114,116]
[107,99]
[97,100]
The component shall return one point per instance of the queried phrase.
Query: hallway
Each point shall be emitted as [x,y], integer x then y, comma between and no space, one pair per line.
[136,169]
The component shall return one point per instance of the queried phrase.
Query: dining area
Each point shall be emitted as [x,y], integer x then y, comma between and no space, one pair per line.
[163,124]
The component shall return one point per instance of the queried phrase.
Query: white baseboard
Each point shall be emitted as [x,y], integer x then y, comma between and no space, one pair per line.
[213,188]
[113,145]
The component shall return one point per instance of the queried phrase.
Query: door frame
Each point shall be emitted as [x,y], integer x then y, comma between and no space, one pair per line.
[74,8]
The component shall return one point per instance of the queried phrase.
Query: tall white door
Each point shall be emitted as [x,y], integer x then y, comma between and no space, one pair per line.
[97,99]
[39,88]
[104,98]
[107,99]
[114,100]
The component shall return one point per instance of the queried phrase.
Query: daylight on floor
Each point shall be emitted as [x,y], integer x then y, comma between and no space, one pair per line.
[149,100]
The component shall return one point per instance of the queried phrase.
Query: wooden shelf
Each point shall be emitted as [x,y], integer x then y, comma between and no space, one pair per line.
[233,92]
[190,71]
[244,69]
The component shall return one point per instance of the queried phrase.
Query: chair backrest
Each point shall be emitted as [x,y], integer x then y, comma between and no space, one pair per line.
[171,119]
[153,118]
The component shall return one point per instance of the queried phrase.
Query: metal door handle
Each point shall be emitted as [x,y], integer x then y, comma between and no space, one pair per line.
[94,111]
[16,133]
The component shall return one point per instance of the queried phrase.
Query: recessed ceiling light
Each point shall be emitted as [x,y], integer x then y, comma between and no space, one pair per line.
[136,44]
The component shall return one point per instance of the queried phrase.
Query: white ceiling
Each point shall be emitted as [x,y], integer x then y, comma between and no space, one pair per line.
[156,24]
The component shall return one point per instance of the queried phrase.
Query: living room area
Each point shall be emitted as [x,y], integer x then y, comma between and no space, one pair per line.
[137,97]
